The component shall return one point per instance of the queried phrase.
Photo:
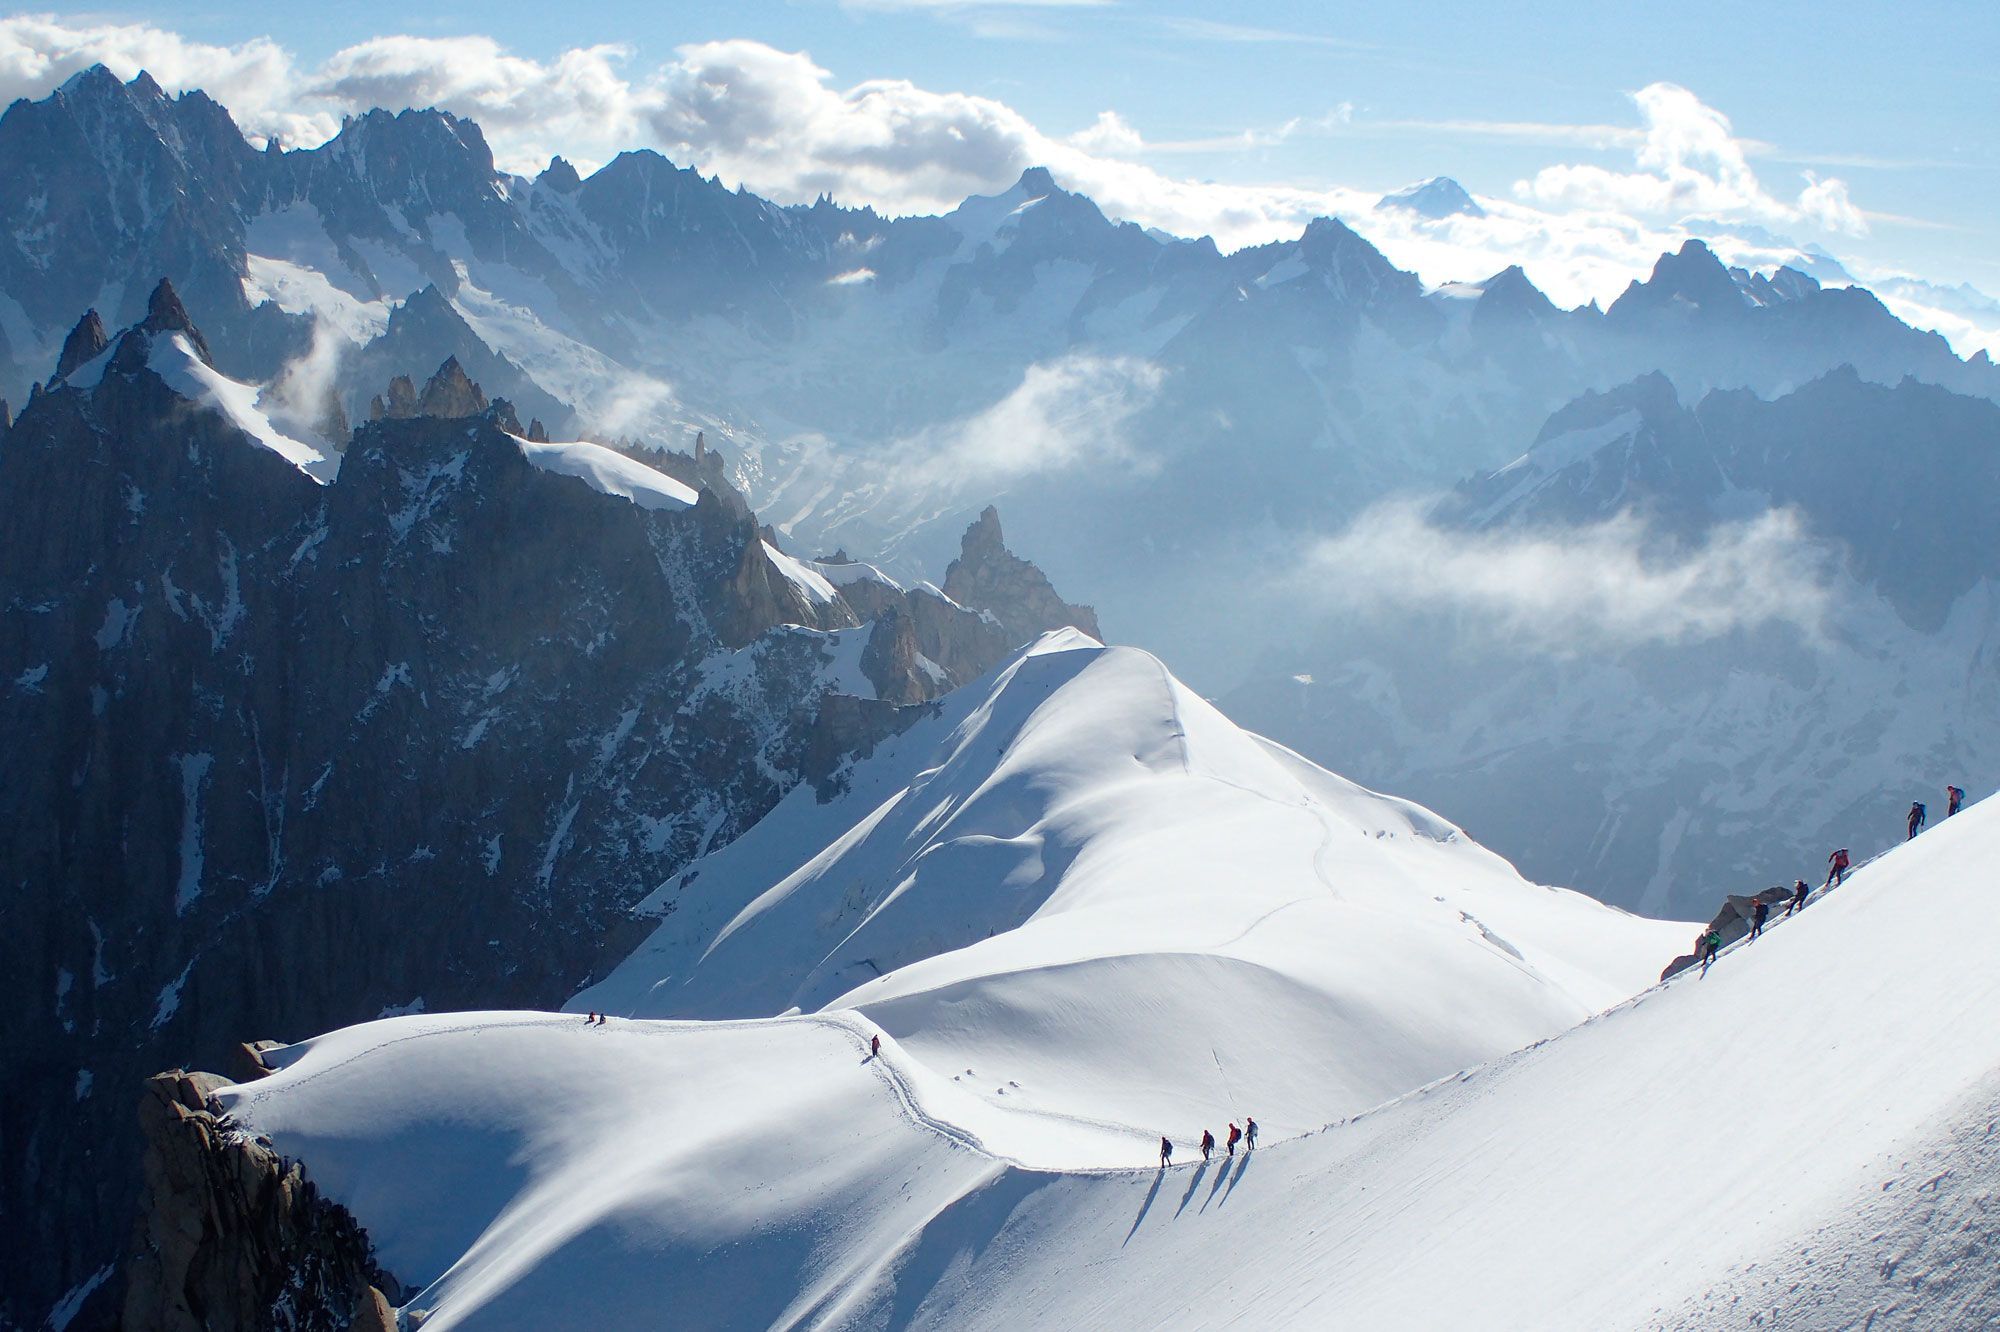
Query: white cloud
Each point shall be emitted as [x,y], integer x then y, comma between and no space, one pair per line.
[1612,584]
[1690,162]
[1067,413]
[528,109]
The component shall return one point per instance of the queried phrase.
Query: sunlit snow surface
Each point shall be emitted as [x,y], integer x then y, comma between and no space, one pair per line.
[174,359]
[610,472]
[1802,1138]
[1102,913]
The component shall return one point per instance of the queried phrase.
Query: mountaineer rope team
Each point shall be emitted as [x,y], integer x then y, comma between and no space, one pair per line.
[1708,946]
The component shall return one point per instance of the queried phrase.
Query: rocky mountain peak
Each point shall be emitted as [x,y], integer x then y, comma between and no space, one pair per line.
[560,177]
[987,576]
[451,393]
[1692,277]
[166,314]
[84,343]
[1036,182]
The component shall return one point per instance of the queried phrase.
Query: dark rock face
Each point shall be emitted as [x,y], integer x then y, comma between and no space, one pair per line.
[987,576]
[83,344]
[306,753]
[232,1238]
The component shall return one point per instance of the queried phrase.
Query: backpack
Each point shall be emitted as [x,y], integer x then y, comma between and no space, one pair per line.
[1917,809]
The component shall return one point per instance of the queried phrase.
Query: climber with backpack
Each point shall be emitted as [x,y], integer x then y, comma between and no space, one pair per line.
[1953,800]
[1799,891]
[1916,819]
[1711,944]
[1837,864]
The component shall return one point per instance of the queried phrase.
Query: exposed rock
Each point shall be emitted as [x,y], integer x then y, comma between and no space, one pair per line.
[537,432]
[987,576]
[83,344]
[248,1061]
[1732,922]
[332,423]
[400,405]
[232,1236]
[166,314]
[450,394]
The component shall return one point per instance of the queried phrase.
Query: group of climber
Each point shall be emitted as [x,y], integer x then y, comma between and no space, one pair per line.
[1954,800]
[1247,1135]
[1837,866]
[595,1019]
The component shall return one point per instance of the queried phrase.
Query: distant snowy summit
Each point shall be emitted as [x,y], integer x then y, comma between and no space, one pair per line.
[1439,197]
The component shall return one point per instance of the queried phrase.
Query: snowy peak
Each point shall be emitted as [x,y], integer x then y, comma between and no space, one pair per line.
[1436,198]
[1080,834]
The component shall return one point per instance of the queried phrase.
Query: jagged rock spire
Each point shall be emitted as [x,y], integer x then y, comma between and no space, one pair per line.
[166,314]
[451,393]
[987,576]
[84,343]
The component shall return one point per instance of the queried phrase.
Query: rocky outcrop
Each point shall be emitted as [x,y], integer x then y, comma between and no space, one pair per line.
[231,1237]
[82,345]
[987,576]
[450,394]
[1732,922]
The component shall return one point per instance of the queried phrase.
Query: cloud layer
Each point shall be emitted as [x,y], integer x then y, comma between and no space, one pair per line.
[1066,413]
[775,122]
[1607,585]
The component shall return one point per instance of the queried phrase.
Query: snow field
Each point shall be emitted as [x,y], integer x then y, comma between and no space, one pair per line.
[1100,912]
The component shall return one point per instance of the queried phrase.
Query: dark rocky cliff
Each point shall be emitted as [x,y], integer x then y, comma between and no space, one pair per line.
[233,1238]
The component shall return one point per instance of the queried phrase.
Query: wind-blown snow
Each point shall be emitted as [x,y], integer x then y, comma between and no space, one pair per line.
[175,361]
[610,472]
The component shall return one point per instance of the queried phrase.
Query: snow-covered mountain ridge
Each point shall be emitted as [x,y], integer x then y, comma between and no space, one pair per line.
[771,1173]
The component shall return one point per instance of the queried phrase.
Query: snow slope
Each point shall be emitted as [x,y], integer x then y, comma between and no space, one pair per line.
[174,359]
[1803,1138]
[610,472]
[1098,911]
[1129,912]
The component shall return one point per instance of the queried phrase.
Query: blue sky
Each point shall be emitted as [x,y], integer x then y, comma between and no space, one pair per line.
[1529,103]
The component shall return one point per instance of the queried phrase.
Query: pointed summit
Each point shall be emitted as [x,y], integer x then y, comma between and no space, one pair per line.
[1438,197]
[987,576]
[1036,182]
[1692,279]
[166,314]
[83,344]
[451,393]
[560,177]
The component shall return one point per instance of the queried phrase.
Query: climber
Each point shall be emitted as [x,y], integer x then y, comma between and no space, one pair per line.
[1837,864]
[1711,944]
[874,1047]
[1953,799]
[1249,1133]
[1916,819]
[1235,1136]
[1799,891]
[1166,1152]
[1207,1143]
[1758,915]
